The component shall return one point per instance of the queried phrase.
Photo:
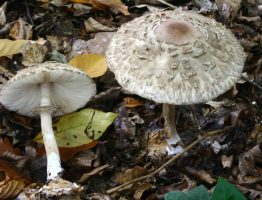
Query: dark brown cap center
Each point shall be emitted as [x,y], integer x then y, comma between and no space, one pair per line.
[177,32]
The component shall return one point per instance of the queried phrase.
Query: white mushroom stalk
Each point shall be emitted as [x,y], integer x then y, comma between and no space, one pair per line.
[54,168]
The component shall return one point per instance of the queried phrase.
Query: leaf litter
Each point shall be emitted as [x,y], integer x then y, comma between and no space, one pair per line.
[133,146]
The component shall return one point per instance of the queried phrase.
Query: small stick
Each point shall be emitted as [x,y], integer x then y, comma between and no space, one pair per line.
[102,94]
[171,160]
[252,82]
[166,3]
[28,12]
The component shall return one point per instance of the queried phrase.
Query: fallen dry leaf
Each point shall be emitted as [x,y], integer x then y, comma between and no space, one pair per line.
[93,65]
[140,189]
[21,30]
[248,160]
[9,47]
[2,14]
[10,188]
[5,75]
[104,4]
[130,174]
[97,170]
[201,174]
[13,182]
[227,161]
[131,102]
[5,146]
[34,52]
[68,153]
[92,25]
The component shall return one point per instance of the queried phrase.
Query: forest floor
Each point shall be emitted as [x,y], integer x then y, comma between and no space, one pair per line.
[227,131]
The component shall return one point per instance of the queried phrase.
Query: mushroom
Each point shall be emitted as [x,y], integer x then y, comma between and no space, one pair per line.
[48,89]
[175,58]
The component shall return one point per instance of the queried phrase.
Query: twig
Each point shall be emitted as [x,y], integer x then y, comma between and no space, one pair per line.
[102,94]
[28,13]
[252,82]
[166,3]
[171,160]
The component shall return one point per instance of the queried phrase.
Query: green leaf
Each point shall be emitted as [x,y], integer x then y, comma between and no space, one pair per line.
[226,191]
[80,128]
[176,196]
[198,193]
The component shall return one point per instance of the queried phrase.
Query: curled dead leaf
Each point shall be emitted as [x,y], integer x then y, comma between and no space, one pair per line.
[248,160]
[104,4]
[12,182]
[130,174]
[201,174]
[97,170]
[21,30]
[131,102]
[5,146]
[2,14]
[92,25]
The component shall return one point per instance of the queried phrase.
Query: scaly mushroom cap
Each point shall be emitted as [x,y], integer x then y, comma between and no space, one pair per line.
[175,57]
[70,89]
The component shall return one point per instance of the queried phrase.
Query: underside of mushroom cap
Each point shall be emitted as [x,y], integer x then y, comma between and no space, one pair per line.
[175,57]
[70,89]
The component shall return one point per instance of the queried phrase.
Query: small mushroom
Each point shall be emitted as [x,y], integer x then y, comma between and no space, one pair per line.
[175,58]
[48,89]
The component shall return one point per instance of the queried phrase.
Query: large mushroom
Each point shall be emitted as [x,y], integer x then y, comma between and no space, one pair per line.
[48,89]
[175,58]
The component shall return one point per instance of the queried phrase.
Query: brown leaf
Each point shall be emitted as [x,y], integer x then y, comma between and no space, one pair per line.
[21,30]
[6,146]
[227,161]
[97,170]
[104,4]
[10,189]
[130,102]
[140,189]
[68,153]
[201,174]
[248,160]
[12,181]
[130,174]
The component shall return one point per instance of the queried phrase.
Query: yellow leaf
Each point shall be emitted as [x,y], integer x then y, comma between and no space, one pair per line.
[93,65]
[10,47]
[80,128]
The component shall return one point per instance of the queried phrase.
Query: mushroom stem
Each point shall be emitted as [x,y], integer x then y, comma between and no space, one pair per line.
[54,168]
[169,114]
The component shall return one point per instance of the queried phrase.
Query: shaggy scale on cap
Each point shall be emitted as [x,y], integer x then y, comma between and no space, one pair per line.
[175,57]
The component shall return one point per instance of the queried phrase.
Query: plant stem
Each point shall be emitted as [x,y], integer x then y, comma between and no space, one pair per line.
[54,168]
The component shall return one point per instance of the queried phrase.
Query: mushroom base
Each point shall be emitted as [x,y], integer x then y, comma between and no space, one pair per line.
[169,114]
